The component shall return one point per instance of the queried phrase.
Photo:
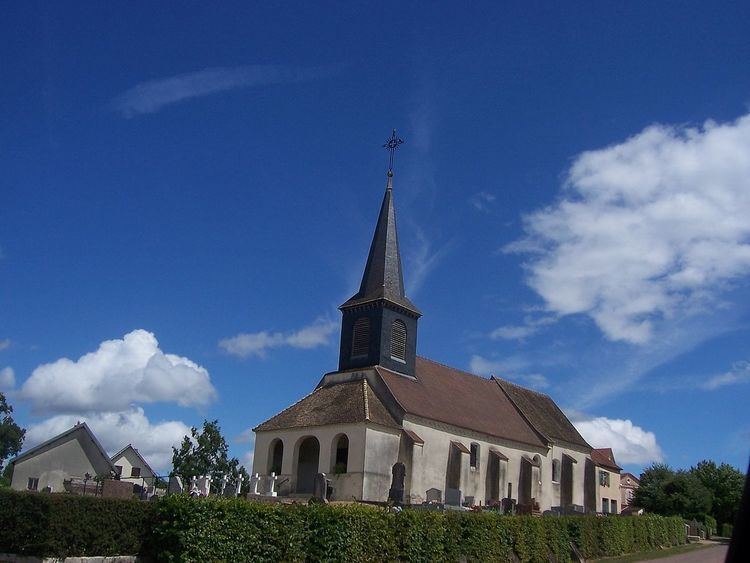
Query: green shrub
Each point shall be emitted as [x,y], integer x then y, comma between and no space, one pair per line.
[63,525]
[180,528]
[726,530]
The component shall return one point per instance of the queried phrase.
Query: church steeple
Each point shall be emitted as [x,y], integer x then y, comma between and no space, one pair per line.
[379,324]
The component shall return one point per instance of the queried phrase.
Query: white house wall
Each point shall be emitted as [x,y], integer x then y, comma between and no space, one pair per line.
[53,466]
[129,459]
[381,454]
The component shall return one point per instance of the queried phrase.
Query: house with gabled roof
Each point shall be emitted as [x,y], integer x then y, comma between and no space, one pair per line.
[69,456]
[132,467]
[455,435]
[608,480]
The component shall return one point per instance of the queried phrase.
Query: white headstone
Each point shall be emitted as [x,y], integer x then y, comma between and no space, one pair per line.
[270,484]
[175,485]
[238,486]
[194,491]
[254,484]
[224,482]
[204,485]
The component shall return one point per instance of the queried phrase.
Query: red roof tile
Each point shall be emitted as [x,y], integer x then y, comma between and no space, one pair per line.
[455,397]
[604,457]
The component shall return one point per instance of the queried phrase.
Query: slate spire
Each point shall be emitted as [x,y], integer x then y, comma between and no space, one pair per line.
[383,277]
[379,323]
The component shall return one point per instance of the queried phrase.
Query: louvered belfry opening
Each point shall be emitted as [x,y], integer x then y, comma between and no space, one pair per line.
[398,340]
[361,337]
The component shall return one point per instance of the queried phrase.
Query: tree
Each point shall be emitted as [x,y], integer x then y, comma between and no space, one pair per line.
[11,435]
[206,452]
[672,493]
[725,485]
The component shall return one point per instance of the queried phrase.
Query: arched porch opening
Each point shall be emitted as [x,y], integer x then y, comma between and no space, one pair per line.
[308,454]
[340,454]
[275,456]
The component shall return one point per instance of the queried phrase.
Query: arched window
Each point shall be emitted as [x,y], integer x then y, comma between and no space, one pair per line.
[398,340]
[361,337]
[342,454]
[474,456]
[276,457]
[556,470]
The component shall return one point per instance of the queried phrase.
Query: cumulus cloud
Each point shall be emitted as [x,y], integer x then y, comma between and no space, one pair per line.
[7,378]
[151,96]
[119,373]
[512,368]
[482,201]
[4,344]
[631,444]
[740,373]
[116,430]
[645,230]
[258,344]
[247,438]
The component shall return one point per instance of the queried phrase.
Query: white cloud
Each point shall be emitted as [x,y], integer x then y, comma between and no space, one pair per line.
[646,229]
[422,260]
[119,373]
[4,344]
[482,201]
[740,373]
[151,96]
[7,378]
[258,344]
[115,430]
[247,437]
[630,443]
[529,327]
[511,368]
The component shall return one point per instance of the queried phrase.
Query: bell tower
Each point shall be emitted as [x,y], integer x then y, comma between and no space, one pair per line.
[379,323]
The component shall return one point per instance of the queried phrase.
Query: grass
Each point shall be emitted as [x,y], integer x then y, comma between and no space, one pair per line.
[656,553]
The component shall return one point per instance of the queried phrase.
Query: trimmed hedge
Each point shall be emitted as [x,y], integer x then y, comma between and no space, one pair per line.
[216,529]
[180,528]
[63,525]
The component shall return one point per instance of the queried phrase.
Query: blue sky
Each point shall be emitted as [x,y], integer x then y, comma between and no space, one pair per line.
[188,195]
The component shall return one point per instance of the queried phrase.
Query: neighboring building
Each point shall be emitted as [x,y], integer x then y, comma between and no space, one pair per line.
[458,435]
[68,457]
[130,466]
[628,484]
[608,480]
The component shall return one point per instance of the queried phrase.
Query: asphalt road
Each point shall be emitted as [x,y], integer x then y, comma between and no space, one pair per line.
[714,554]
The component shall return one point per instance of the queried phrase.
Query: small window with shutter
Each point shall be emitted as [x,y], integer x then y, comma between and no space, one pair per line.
[361,337]
[398,341]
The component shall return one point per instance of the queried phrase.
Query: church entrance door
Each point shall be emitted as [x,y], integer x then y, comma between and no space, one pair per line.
[493,478]
[566,482]
[524,482]
[307,464]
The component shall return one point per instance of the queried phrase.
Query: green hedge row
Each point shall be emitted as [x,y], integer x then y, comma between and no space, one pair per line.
[187,529]
[68,525]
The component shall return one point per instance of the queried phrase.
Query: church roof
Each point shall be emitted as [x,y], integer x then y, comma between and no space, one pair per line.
[542,413]
[461,399]
[341,403]
[605,457]
[383,277]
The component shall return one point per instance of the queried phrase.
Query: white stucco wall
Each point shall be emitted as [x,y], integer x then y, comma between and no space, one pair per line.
[127,460]
[52,467]
[346,486]
[380,456]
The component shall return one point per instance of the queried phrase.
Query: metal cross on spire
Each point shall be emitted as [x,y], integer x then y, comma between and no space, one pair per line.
[392,145]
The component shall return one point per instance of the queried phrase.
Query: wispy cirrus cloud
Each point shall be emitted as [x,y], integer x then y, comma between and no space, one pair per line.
[513,368]
[153,95]
[482,201]
[258,344]
[646,230]
[529,327]
[7,379]
[740,373]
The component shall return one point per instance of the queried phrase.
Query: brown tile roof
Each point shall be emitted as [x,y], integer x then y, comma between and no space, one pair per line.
[341,403]
[542,413]
[604,457]
[461,399]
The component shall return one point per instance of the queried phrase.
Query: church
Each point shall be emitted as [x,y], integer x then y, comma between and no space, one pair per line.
[456,437]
